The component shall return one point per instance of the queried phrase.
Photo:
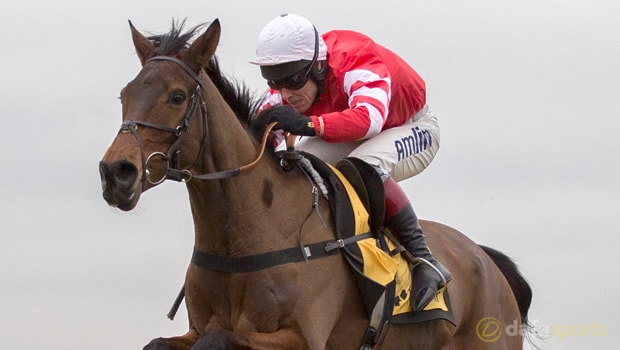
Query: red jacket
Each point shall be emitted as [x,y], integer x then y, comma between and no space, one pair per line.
[368,88]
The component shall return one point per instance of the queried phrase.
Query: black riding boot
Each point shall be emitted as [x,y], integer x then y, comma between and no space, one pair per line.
[429,275]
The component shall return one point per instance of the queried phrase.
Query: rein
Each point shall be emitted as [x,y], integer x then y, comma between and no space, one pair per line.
[173,153]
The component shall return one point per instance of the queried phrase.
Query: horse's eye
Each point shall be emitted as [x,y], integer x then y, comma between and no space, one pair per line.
[177,98]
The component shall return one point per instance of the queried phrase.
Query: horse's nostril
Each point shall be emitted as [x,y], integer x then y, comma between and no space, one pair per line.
[120,174]
[103,170]
[118,181]
[125,172]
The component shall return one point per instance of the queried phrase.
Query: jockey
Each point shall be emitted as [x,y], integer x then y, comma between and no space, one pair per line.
[347,96]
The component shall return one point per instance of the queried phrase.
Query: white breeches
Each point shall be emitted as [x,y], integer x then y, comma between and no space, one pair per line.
[401,152]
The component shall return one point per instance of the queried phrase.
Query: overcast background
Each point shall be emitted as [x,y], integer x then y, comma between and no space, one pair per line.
[527,92]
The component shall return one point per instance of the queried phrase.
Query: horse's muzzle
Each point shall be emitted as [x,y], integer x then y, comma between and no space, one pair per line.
[119,184]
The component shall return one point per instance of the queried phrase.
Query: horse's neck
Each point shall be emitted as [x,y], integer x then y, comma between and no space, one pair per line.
[231,215]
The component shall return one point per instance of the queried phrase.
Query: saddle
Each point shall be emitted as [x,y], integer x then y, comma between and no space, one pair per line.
[357,199]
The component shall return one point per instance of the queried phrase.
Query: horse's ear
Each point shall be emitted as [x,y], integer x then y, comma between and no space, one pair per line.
[203,48]
[144,47]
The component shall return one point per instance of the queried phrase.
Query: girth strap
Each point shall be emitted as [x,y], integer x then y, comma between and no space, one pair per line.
[343,242]
[253,263]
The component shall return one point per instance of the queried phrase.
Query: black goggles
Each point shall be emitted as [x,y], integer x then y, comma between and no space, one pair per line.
[299,79]
[293,82]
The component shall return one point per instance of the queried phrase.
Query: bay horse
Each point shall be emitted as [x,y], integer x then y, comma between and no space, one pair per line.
[183,119]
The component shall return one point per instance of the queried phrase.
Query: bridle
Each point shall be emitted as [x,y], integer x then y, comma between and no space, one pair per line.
[172,156]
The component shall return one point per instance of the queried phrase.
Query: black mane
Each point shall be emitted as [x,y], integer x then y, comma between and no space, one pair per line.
[244,103]
[171,43]
[236,94]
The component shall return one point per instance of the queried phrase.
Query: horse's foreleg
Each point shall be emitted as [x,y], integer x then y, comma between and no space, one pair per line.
[283,339]
[183,342]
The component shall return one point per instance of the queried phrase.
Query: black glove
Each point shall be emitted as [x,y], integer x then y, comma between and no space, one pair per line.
[289,120]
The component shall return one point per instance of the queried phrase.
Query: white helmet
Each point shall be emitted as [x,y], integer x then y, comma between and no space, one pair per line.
[289,38]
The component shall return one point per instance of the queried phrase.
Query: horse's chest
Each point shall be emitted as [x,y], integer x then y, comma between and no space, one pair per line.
[252,302]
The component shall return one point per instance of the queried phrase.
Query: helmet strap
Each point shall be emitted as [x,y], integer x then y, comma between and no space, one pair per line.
[318,73]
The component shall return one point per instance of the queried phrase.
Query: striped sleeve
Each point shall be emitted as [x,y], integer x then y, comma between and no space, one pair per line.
[273,98]
[369,93]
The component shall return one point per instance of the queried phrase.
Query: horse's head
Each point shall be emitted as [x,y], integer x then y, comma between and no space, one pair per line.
[164,121]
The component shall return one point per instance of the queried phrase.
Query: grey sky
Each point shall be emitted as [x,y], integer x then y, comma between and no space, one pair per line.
[527,95]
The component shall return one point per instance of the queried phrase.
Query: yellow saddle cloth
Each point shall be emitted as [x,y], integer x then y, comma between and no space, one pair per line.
[379,265]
